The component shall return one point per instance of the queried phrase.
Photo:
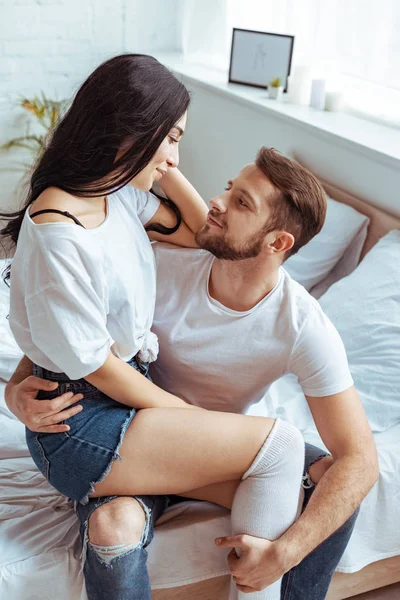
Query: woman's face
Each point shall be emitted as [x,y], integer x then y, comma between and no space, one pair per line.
[166,157]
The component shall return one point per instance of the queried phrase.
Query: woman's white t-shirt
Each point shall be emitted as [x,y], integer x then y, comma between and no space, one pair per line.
[77,293]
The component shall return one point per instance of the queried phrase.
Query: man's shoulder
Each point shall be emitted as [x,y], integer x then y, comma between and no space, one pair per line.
[170,252]
[301,305]
[180,272]
[177,266]
[310,326]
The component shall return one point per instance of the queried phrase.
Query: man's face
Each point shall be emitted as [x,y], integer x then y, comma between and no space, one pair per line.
[235,225]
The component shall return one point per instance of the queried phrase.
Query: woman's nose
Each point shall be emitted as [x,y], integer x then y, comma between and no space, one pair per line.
[173,159]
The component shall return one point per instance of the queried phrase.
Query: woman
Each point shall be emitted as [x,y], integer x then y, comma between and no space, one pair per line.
[82,301]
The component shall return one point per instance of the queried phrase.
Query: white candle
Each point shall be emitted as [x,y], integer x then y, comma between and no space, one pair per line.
[333,101]
[300,85]
[318,94]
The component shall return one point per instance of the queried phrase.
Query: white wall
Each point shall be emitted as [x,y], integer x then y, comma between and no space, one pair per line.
[52,45]
[223,135]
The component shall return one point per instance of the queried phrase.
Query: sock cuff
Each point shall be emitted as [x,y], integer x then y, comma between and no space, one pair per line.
[283,435]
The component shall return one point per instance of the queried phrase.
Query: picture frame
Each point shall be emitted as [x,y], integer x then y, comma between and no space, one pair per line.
[257,57]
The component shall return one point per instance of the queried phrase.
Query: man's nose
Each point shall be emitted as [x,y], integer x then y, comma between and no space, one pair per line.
[218,203]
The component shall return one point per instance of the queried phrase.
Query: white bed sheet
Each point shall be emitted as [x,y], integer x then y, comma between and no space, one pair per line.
[39,541]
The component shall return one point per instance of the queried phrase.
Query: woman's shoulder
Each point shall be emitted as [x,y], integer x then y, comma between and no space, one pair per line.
[53,198]
[90,212]
[57,235]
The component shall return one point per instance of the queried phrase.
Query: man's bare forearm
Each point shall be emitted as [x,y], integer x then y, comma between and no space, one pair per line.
[339,492]
[23,371]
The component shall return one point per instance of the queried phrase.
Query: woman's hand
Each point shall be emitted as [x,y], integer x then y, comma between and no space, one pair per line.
[42,416]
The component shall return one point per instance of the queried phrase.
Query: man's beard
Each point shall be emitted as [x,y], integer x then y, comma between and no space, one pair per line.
[221,248]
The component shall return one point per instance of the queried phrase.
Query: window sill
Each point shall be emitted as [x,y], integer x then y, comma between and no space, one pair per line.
[379,141]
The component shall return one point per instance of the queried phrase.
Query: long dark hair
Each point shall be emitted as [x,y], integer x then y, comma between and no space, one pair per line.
[130,101]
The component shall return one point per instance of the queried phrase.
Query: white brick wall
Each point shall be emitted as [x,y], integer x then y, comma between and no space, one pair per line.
[52,45]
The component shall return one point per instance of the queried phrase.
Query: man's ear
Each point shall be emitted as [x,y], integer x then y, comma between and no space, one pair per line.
[282,242]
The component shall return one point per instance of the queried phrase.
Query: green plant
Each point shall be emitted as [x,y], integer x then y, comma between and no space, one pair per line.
[47,113]
[275,83]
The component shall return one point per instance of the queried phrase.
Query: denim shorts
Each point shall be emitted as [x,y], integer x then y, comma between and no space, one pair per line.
[74,461]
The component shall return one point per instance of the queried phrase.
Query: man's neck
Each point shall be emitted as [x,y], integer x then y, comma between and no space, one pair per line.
[240,285]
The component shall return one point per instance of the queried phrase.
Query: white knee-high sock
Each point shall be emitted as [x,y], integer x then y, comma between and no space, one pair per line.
[268,499]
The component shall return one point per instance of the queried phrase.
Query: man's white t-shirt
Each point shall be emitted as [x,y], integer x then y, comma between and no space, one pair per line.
[226,360]
[77,293]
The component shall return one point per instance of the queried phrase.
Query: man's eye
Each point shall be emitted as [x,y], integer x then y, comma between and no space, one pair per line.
[241,202]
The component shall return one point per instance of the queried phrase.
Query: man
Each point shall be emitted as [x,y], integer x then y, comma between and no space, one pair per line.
[230,322]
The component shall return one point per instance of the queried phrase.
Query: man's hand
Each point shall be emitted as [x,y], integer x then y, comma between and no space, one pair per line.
[41,416]
[261,562]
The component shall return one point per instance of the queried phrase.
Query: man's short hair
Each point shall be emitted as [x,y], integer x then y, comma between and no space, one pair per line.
[299,206]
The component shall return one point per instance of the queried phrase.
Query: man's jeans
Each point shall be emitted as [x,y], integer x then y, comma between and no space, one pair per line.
[311,578]
[125,577]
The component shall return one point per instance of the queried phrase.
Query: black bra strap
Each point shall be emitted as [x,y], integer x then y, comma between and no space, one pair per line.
[53,210]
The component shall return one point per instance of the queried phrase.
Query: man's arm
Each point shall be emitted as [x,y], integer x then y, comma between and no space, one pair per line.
[342,424]
[23,370]
[43,416]
[344,429]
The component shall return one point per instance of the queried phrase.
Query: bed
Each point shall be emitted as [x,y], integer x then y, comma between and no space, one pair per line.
[40,550]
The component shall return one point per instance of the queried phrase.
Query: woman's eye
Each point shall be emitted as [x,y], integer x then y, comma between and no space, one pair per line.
[173,140]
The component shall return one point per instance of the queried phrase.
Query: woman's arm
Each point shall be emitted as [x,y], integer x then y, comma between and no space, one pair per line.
[125,385]
[47,416]
[191,206]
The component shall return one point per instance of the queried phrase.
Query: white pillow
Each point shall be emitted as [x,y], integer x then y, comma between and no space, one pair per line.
[365,308]
[334,252]
[10,354]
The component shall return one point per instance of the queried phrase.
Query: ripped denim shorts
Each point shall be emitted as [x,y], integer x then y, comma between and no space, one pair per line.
[74,461]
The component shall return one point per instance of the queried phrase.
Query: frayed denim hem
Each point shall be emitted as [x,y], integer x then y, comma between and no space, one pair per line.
[85,499]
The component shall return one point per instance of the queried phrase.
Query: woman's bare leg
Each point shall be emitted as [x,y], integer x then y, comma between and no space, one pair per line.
[177,450]
[174,450]
[223,493]
[217,493]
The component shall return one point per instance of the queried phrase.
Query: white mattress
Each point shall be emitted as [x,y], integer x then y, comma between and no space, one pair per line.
[39,541]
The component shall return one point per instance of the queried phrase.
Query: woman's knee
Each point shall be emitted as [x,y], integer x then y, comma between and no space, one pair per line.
[120,521]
